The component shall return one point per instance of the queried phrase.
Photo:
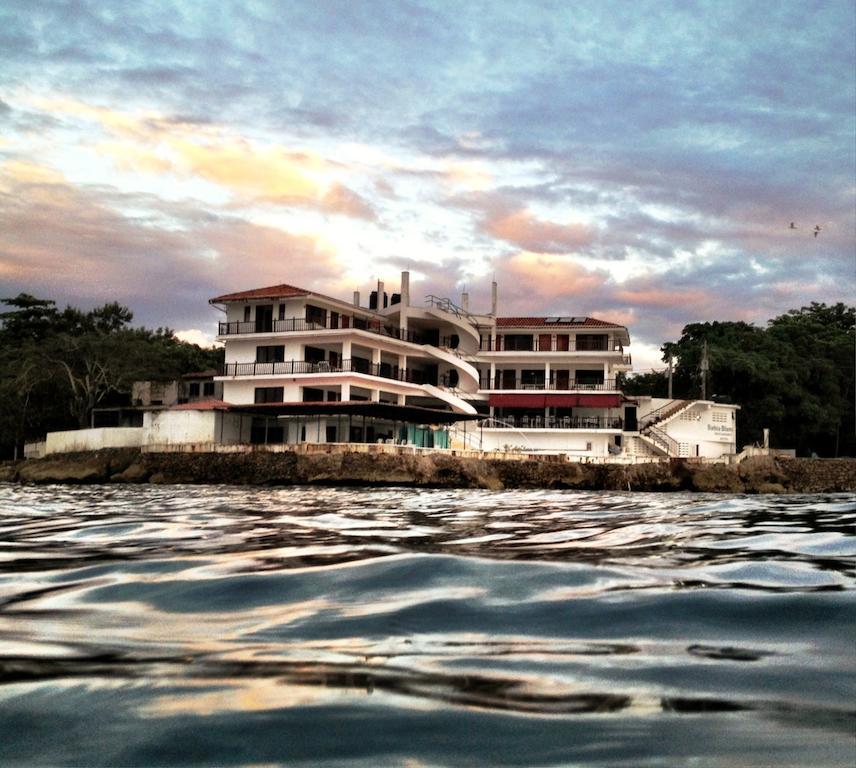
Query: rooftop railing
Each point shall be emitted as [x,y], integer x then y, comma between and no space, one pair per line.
[563,422]
[561,386]
[572,345]
[299,367]
[297,325]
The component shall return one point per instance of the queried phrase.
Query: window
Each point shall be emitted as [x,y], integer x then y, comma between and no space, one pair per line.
[517,342]
[313,355]
[208,389]
[532,379]
[316,315]
[269,395]
[246,314]
[589,378]
[193,389]
[275,354]
[591,342]
[313,395]
[281,315]
[719,417]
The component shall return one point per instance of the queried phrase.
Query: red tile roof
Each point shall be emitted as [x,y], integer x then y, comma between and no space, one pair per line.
[281,291]
[203,405]
[538,322]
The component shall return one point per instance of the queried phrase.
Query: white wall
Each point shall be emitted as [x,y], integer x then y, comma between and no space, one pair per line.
[560,440]
[173,427]
[93,439]
[710,426]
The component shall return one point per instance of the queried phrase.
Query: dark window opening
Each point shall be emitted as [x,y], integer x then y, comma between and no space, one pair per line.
[269,394]
[313,395]
[193,389]
[246,314]
[270,354]
[517,342]
[264,318]
[208,389]
[589,378]
[592,342]
[313,355]
[316,315]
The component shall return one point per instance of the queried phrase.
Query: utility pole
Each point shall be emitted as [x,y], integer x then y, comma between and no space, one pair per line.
[670,375]
[704,366]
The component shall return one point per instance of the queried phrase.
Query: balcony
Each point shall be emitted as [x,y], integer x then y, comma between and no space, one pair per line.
[571,384]
[570,345]
[300,367]
[564,422]
[297,325]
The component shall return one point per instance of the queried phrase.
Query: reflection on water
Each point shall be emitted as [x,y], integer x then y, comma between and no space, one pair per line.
[234,626]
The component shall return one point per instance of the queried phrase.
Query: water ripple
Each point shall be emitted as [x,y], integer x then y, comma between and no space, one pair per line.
[241,626]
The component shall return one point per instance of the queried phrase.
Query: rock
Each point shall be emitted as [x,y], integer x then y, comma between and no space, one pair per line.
[8,472]
[435,470]
[135,473]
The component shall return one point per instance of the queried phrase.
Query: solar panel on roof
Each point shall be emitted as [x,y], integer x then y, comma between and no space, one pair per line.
[578,319]
[549,320]
[565,320]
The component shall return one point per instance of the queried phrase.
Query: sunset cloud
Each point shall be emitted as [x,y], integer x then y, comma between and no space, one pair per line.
[524,230]
[593,157]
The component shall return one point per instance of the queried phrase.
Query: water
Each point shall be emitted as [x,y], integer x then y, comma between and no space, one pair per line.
[232,626]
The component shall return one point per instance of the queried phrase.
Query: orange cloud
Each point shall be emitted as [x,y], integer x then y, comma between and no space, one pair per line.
[526,231]
[150,143]
[663,297]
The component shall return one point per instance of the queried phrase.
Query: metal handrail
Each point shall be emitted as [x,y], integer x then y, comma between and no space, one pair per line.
[498,384]
[560,422]
[666,442]
[488,345]
[299,324]
[299,367]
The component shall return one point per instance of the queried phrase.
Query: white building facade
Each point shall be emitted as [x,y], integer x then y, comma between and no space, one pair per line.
[304,367]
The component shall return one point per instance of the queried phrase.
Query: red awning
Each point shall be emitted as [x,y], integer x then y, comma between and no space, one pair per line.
[543,400]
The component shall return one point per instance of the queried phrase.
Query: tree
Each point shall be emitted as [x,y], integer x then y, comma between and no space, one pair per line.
[56,366]
[796,376]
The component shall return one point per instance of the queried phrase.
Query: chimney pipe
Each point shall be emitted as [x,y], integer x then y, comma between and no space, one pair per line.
[405,289]
[356,298]
[465,301]
[493,298]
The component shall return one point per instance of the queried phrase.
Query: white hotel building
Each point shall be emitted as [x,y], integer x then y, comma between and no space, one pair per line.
[304,367]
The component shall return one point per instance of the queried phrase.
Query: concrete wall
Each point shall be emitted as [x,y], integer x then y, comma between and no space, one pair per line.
[93,439]
[34,450]
[170,427]
[154,392]
[559,440]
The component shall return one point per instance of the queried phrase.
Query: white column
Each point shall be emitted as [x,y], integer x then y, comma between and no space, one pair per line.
[346,349]
[605,372]
[346,390]
[547,373]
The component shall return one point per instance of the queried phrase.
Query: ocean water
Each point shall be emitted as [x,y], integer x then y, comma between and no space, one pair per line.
[187,625]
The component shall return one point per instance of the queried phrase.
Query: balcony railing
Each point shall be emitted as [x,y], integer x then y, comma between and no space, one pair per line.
[498,383]
[295,367]
[564,422]
[572,345]
[297,324]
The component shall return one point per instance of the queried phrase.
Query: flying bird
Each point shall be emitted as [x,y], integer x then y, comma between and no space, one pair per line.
[816,230]
[793,226]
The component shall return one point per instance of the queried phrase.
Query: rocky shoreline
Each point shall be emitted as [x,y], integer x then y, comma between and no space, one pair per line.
[439,470]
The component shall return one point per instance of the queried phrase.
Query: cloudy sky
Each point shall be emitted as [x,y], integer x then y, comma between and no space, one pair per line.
[639,162]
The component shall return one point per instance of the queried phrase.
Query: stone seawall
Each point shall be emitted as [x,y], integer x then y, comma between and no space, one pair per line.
[439,470]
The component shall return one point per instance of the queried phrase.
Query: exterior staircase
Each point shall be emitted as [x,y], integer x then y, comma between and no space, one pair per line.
[651,432]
